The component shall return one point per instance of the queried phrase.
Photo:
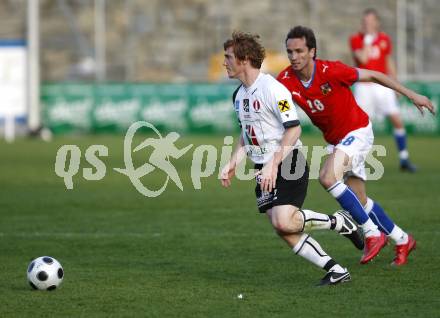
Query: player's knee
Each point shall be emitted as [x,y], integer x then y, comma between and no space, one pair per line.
[288,224]
[280,226]
[326,179]
[298,222]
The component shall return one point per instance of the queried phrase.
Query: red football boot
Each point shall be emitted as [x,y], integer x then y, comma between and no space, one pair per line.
[373,245]
[403,250]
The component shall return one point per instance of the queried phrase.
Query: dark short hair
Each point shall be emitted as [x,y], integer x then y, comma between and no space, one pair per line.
[372,11]
[300,32]
[246,46]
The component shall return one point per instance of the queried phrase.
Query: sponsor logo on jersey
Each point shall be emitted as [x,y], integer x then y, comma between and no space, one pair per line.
[255,151]
[283,105]
[326,88]
[374,53]
[251,136]
[246,105]
[256,104]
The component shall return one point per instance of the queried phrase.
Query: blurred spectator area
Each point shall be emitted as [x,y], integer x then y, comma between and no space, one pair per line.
[181,41]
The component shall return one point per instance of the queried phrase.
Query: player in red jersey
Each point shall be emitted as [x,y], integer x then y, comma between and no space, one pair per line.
[371,50]
[322,89]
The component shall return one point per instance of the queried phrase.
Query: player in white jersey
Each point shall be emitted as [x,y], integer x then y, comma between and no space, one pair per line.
[270,137]
[260,108]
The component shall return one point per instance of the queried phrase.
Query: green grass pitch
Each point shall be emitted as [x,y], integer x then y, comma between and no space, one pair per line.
[191,253]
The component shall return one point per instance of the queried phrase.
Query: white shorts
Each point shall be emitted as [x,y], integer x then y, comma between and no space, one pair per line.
[376,100]
[356,144]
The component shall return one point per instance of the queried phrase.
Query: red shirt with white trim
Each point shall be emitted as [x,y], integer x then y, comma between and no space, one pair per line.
[328,100]
[381,48]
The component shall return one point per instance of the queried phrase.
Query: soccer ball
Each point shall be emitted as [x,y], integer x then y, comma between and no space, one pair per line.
[45,273]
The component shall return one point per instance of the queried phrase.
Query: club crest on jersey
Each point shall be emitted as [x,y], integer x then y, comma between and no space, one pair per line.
[256,104]
[283,105]
[326,88]
[246,105]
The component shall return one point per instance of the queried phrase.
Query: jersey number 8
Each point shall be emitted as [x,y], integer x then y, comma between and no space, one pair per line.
[348,141]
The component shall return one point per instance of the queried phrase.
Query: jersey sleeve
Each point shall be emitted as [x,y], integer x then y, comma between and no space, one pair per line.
[389,46]
[283,106]
[356,43]
[345,74]
[236,104]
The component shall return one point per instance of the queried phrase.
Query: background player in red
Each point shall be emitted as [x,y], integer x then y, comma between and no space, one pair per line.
[371,50]
[322,89]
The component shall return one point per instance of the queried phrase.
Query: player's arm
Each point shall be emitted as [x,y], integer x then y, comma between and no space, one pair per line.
[418,100]
[270,170]
[285,109]
[361,55]
[361,51]
[290,137]
[391,67]
[237,156]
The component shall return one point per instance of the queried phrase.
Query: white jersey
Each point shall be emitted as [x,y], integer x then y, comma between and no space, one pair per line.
[264,111]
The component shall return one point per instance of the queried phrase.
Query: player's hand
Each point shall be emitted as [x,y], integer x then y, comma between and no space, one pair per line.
[226,174]
[268,175]
[369,39]
[421,102]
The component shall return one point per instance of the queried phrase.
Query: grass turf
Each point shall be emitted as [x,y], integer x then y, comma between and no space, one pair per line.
[191,253]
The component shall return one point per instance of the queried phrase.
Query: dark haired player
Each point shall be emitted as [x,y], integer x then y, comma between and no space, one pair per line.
[322,89]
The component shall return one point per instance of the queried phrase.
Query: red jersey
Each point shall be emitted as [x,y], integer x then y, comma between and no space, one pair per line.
[381,48]
[328,100]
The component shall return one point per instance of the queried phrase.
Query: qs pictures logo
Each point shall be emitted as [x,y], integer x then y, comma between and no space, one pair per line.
[206,160]
[163,149]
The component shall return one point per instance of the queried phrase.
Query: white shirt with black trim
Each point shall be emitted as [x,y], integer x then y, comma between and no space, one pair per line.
[264,111]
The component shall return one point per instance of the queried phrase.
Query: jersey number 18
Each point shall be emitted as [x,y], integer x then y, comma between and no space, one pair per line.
[315,106]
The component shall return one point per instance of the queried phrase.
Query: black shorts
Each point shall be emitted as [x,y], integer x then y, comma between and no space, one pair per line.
[290,190]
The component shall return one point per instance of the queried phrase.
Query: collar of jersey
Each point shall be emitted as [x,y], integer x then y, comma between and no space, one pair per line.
[248,89]
[311,81]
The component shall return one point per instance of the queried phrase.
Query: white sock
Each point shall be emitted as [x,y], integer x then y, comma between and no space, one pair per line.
[398,235]
[308,248]
[403,154]
[315,221]
[338,269]
[399,131]
[370,229]
[369,205]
